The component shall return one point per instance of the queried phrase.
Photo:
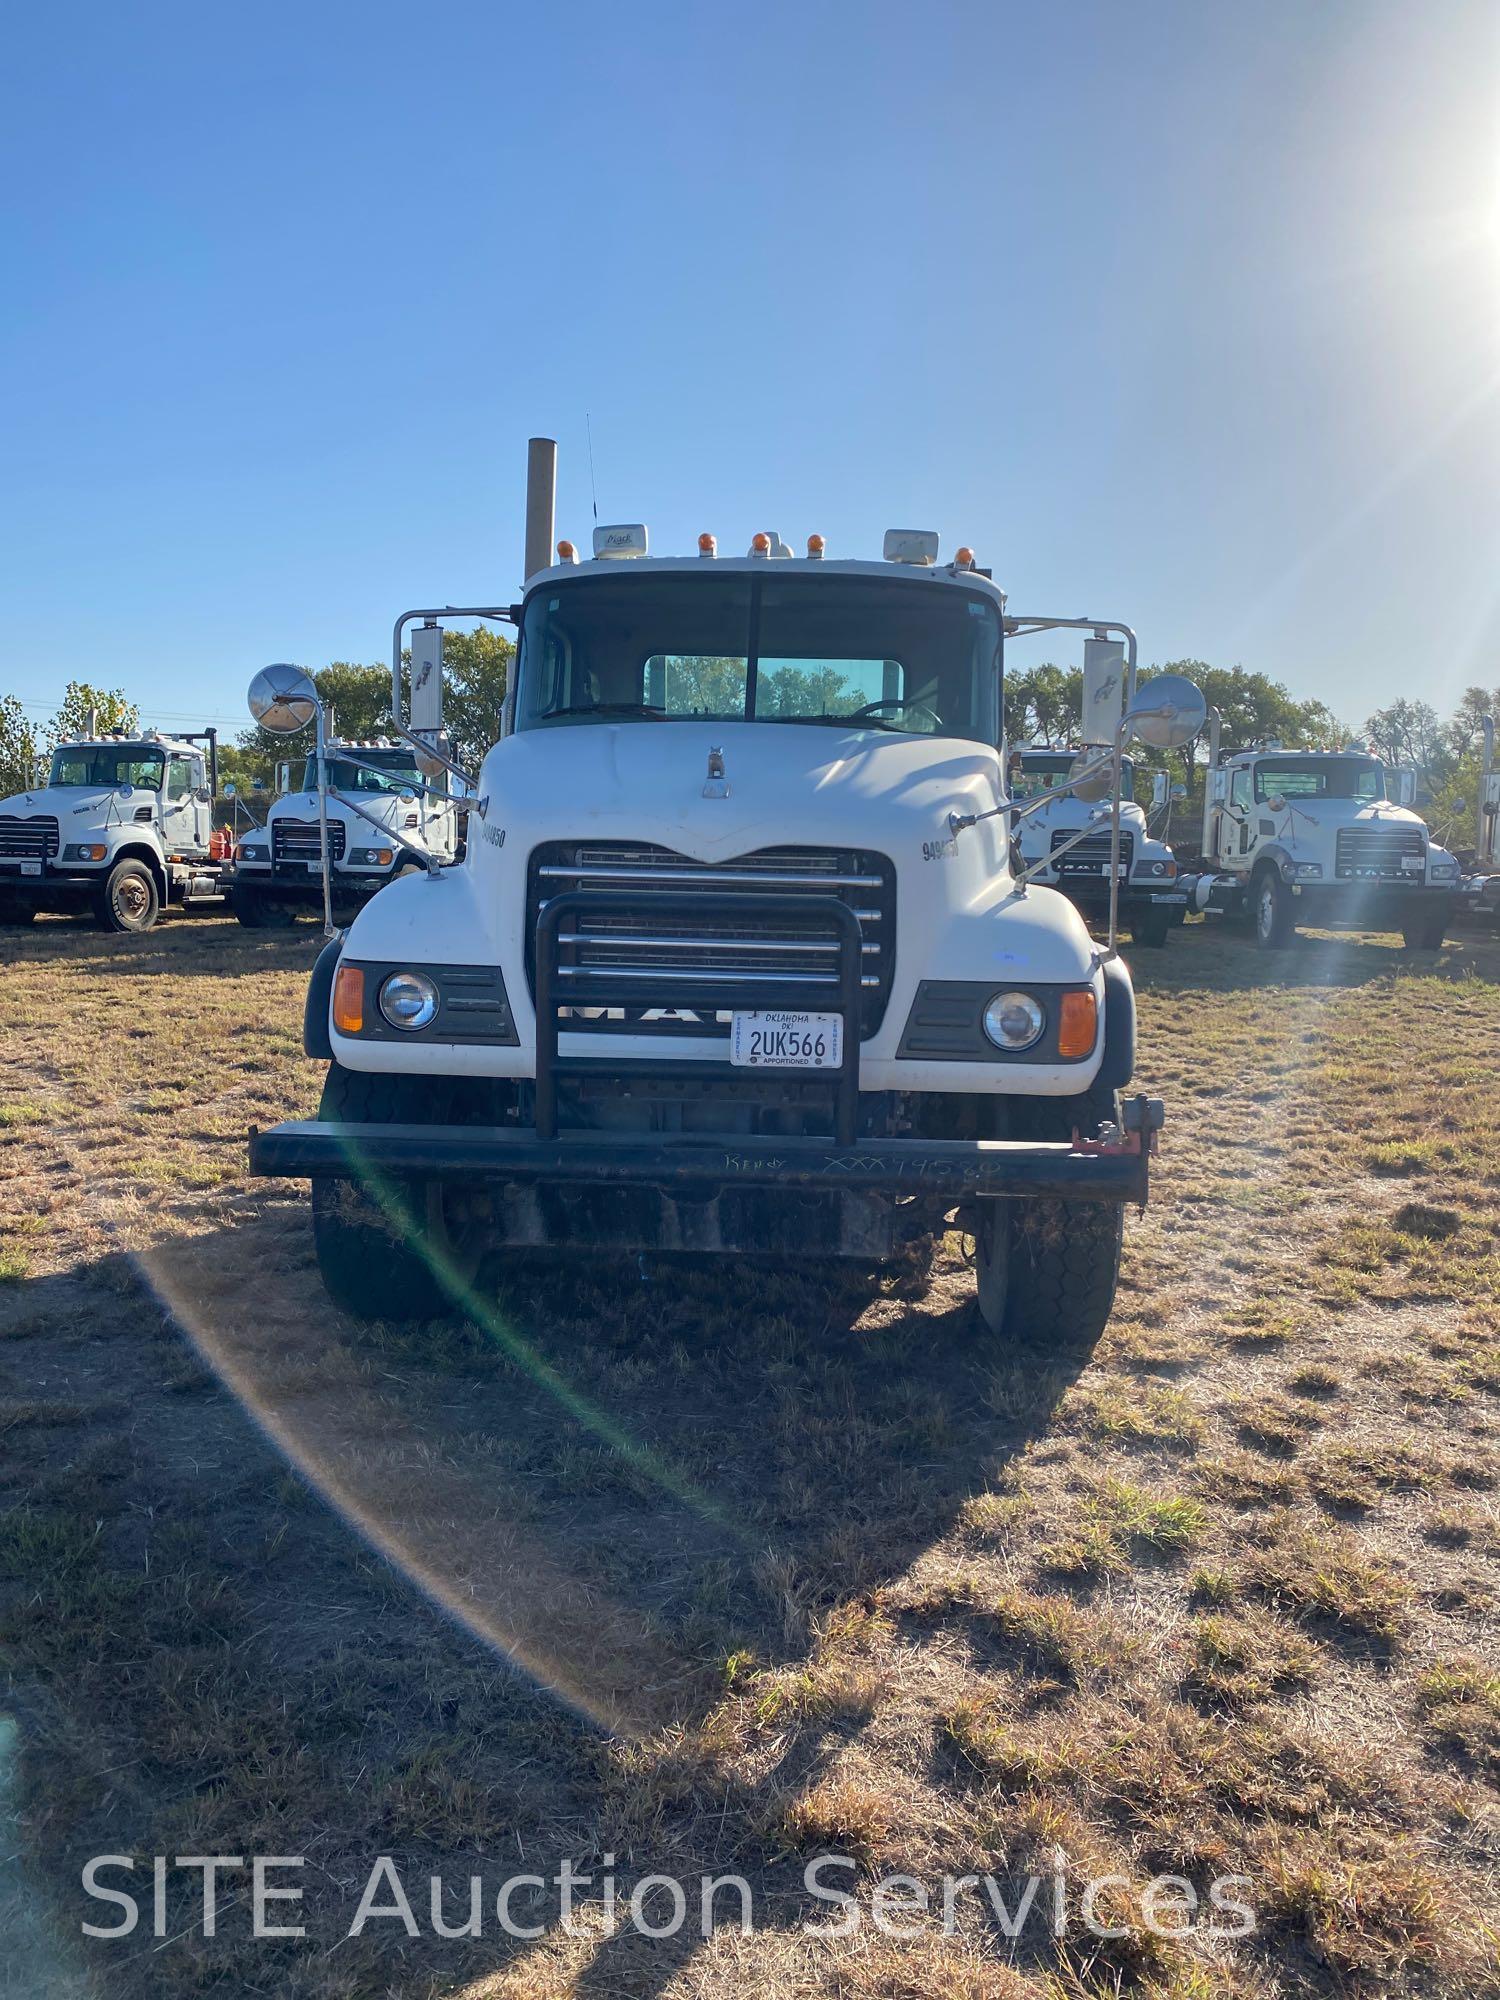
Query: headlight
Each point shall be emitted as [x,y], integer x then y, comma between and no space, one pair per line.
[253,854]
[409,1000]
[84,851]
[1443,871]
[1014,1021]
[1308,871]
[372,857]
[1157,868]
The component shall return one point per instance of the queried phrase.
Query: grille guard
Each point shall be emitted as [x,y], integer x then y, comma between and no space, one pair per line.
[559,985]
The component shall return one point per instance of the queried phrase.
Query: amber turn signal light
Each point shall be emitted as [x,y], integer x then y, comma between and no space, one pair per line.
[349,1000]
[1076,1026]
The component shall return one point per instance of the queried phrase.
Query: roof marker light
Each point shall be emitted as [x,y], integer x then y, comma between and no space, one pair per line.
[760,545]
[815,547]
[708,545]
[566,553]
[964,559]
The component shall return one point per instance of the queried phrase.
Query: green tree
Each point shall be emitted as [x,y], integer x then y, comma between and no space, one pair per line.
[1409,732]
[109,706]
[476,673]
[20,748]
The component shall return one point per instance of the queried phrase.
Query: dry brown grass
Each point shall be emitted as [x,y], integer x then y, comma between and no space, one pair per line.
[1218,1599]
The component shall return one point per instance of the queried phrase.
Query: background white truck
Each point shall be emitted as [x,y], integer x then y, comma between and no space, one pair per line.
[384,819]
[122,827]
[737,960]
[1314,837]
[1151,900]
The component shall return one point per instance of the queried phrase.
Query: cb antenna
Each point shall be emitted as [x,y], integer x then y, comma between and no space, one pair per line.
[593,484]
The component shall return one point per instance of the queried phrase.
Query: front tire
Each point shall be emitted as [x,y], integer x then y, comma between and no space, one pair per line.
[128,899]
[385,1248]
[259,912]
[1426,932]
[1271,904]
[1150,928]
[1061,1259]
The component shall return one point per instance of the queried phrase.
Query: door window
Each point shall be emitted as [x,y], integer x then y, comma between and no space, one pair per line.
[179,779]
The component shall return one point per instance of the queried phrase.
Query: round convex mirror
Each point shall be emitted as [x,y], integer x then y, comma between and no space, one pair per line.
[283,698]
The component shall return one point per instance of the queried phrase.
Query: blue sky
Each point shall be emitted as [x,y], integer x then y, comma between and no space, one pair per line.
[1182,314]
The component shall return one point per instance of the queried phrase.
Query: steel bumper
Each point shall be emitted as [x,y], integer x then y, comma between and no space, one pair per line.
[949,1169]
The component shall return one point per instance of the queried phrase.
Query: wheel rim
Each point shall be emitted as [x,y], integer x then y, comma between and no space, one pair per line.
[1267,909]
[133,898]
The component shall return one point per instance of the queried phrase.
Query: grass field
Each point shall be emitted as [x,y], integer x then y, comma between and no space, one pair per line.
[790,1563]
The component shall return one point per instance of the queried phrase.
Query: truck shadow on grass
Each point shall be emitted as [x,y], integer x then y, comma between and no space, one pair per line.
[179,946]
[600,1517]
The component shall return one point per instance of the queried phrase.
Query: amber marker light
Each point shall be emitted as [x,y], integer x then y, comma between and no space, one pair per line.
[566,552]
[816,545]
[708,545]
[760,545]
[964,559]
[349,1000]
[1077,1025]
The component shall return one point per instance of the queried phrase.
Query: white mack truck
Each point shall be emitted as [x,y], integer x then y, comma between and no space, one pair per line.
[1480,897]
[737,959]
[382,819]
[122,827]
[1313,837]
[1150,898]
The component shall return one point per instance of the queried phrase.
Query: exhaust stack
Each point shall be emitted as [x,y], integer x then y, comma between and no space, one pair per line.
[541,502]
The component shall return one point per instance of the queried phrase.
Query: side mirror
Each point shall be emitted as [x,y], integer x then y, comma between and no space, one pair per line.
[204,796]
[1161,791]
[1179,791]
[283,698]
[229,789]
[1276,802]
[283,777]
[1406,788]
[1167,712]
[1218,787]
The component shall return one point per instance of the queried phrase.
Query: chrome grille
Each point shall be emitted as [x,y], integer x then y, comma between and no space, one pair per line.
[299,840]
[1376,853]
[1091,855]
[669,955]
[33,839]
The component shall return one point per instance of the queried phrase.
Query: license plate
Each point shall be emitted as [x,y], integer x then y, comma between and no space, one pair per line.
[786,1041]
[31,867]
[1413,861]
[316,867]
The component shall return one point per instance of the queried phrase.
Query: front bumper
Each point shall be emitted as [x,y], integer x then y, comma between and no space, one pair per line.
[295,882]
[950,1169]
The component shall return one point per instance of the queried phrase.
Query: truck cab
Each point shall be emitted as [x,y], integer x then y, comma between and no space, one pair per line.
[384,819]
[1150,899]
[1315,837]
[122,826]
[736,960]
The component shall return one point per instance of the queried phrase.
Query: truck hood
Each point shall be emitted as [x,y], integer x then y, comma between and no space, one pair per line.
[783,783]
[78,805]
[383,806]
[1315,814]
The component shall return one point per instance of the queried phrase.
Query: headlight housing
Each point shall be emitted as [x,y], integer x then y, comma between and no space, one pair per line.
[84,850]
[1444,871]
[254,853]
[1308,871]
[1014,1021]
[409,1000]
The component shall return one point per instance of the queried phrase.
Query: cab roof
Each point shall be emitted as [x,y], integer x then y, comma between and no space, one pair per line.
[917,575]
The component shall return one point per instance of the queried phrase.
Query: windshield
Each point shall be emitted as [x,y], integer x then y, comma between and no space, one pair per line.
[921,658]
[108,764]
[1039,770]
[396,772]
[1321,778]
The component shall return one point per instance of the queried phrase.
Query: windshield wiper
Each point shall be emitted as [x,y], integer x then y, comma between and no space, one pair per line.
[607,708]
[847,721]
